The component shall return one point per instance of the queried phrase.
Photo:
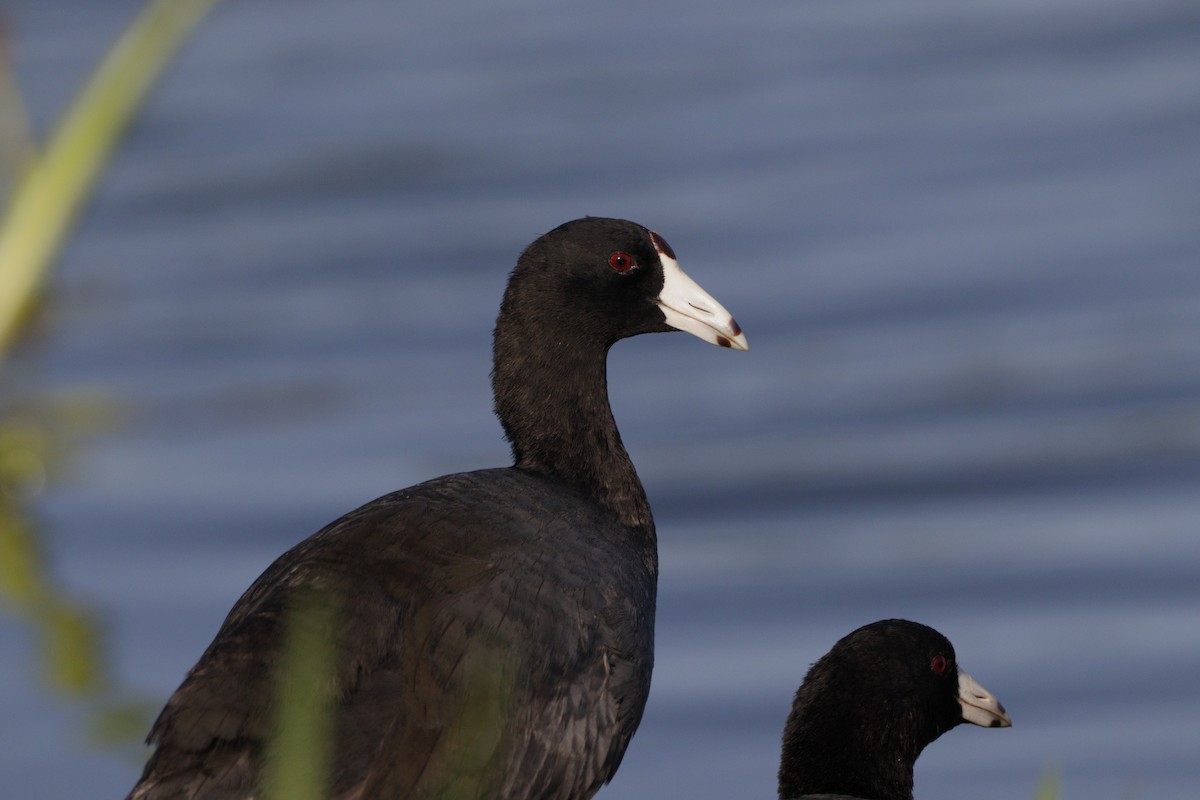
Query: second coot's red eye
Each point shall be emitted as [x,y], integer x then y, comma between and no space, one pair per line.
[939,664]
[621,262]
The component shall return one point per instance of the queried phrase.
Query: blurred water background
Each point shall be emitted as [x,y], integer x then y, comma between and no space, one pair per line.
[964,242]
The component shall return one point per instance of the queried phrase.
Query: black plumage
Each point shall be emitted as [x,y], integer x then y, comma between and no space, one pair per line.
[496,628]
[869,707]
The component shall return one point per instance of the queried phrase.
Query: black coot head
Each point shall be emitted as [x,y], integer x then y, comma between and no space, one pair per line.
[911,668]
[869,706]
[601,280]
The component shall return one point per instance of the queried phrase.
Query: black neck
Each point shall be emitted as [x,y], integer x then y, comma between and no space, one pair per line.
[814,762]
[552,399]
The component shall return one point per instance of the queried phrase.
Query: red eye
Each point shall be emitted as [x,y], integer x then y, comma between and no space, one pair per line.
[939,664]
[621,262]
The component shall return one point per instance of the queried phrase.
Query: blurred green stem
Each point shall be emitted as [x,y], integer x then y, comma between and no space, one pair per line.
[55,183]
[1049,785]
[300,753]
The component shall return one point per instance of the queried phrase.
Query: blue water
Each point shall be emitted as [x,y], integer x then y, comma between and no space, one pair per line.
[964,242]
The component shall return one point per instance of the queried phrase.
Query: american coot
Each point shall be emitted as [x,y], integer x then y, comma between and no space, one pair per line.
[869,706]
[496,627]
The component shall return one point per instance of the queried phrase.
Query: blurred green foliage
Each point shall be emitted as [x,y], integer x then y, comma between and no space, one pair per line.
[71,661]
[44,189]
